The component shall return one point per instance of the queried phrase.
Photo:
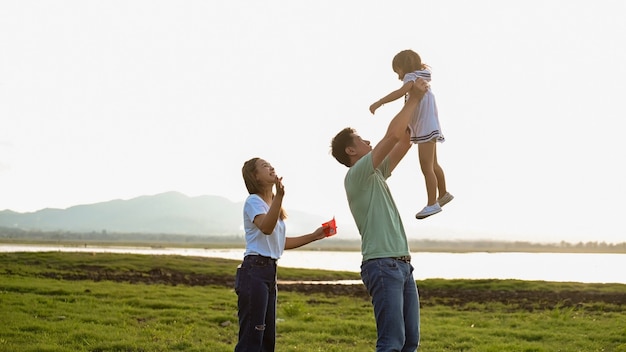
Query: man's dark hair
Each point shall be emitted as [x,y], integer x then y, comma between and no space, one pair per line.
[343,139]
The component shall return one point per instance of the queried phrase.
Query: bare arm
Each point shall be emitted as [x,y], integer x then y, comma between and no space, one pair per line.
[267,222]
[295,242]
[398,126]
[393,96]
[399,150]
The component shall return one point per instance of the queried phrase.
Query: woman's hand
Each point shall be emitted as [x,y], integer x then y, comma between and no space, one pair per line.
[318,234]
[280,188]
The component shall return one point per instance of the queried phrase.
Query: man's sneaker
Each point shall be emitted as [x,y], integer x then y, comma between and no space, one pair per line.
[445,199]
[428,211]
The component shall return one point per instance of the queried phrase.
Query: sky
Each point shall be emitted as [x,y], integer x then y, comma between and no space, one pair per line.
[103,100]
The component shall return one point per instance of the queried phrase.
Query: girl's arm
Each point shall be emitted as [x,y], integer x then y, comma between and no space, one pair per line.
[397,129]
[295,242]
[393,96]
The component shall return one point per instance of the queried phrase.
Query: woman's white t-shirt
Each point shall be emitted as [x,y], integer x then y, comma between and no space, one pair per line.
[258,243]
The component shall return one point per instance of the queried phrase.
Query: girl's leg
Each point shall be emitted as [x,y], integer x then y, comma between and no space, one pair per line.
[427,158]
[441,179]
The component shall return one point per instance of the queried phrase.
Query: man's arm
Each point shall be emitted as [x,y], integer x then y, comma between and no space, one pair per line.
[398,125]
[399,150]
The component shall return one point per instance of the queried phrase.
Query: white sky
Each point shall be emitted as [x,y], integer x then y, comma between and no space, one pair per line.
[103,100]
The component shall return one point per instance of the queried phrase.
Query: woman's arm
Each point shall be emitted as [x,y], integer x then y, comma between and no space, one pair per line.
[267,222]
[295,242]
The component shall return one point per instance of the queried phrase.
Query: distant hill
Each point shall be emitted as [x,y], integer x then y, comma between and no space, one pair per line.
[165,213]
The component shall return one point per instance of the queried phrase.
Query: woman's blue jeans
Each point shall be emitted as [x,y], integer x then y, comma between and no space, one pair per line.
[255,285]
[392,287]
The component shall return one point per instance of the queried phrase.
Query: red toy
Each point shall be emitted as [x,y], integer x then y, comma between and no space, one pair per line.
[330,228]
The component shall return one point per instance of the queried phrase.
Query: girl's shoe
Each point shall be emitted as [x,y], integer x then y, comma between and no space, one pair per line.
[445,199]
[428,211]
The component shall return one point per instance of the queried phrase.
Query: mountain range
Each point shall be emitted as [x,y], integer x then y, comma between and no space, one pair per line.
[165,213]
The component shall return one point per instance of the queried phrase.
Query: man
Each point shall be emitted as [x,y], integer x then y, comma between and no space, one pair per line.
[386,269]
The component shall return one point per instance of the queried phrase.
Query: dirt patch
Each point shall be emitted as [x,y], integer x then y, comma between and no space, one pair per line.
[462,298]
[526,300]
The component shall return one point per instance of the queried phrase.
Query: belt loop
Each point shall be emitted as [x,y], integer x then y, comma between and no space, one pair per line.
[404,258]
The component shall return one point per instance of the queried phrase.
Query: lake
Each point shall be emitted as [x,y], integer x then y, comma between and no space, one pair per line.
[562,267]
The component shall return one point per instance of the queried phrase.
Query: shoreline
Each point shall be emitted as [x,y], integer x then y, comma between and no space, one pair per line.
[420,246]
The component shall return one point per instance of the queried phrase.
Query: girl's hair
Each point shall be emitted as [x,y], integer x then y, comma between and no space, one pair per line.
[248,172]
[408,61]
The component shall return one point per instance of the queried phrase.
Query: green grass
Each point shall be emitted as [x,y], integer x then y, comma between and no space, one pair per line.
[40,313]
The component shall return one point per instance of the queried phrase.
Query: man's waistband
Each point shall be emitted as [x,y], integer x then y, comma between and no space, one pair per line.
[404,258]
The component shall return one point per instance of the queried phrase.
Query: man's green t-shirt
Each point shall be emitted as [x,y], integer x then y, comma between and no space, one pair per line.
[374,211]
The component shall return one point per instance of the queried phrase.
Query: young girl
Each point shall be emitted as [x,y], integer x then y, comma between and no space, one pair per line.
[424,126]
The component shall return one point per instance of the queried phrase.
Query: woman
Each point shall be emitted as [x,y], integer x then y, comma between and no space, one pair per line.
[255,282]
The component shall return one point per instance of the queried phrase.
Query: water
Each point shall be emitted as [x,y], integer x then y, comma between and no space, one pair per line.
[563,267]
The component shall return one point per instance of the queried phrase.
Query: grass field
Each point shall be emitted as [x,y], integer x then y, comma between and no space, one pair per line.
[121,302]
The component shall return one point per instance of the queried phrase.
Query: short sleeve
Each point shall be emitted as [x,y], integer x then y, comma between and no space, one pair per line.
[254,206]
[413,76]
[410,77]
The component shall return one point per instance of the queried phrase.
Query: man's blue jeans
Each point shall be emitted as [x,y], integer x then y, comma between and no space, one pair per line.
[395,299]
[255,285]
